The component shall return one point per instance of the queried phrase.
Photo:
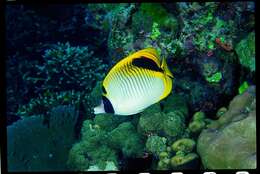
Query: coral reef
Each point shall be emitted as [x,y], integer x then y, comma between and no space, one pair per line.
[243,87]
[156,144]
[42,143]
[181,161]
[110,166]
[114,138]
[88,152]
[65,65]
[126,139]
[67,75]
[179,156]
[120,39]
[159,15]
[197,123]
[185,145]
[170,124]
[221,111]
[246,51]
[58,55]
[43,103]
[234,131]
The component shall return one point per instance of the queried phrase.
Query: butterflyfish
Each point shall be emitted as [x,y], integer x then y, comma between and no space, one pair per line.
[135,83]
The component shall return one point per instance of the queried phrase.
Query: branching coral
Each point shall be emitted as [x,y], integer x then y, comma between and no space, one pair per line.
[67,74]
[43,103]
[69,67]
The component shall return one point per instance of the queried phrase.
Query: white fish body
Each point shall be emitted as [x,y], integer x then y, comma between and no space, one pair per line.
[135,83]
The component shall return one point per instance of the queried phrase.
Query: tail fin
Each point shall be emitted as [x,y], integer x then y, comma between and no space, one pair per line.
[99,109]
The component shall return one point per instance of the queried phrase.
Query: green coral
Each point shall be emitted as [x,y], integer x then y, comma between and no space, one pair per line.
[121,37]
[199,115]
[215,78]
[204,37]
[182,161]
[66,76]
[243,87]
[163,164]
[43,103]
[175,102]
[246,51]
[105,122]
[155,31]
[156,144]
[126,139]
[110,166]
[163,154]
[149,119]
[171,125]
[174,124]
[159,15]
[91,150]
[196,126]
[169,122]
[221,111]
[197,123]
[70,67]
[185,145]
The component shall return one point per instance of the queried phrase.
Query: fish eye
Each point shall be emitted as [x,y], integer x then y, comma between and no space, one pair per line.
[107,105]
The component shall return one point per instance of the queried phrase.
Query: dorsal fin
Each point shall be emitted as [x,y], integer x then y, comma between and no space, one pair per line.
[149,53]
[164,66]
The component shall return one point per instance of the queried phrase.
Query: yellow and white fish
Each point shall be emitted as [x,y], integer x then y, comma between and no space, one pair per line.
[135,83]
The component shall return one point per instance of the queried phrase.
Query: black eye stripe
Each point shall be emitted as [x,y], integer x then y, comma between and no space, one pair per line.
[144,62]
[107,105]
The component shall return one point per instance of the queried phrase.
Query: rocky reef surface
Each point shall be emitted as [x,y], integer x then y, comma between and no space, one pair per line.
[230,141]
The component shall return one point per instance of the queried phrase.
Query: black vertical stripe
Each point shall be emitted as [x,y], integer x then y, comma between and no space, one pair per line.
[131,82]
[135,81]
[147,80]
[142,81]
[107,105]
[138,82]
[123,81]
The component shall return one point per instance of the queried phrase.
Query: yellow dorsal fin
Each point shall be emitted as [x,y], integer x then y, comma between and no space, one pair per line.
[164,66]
[150,53]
